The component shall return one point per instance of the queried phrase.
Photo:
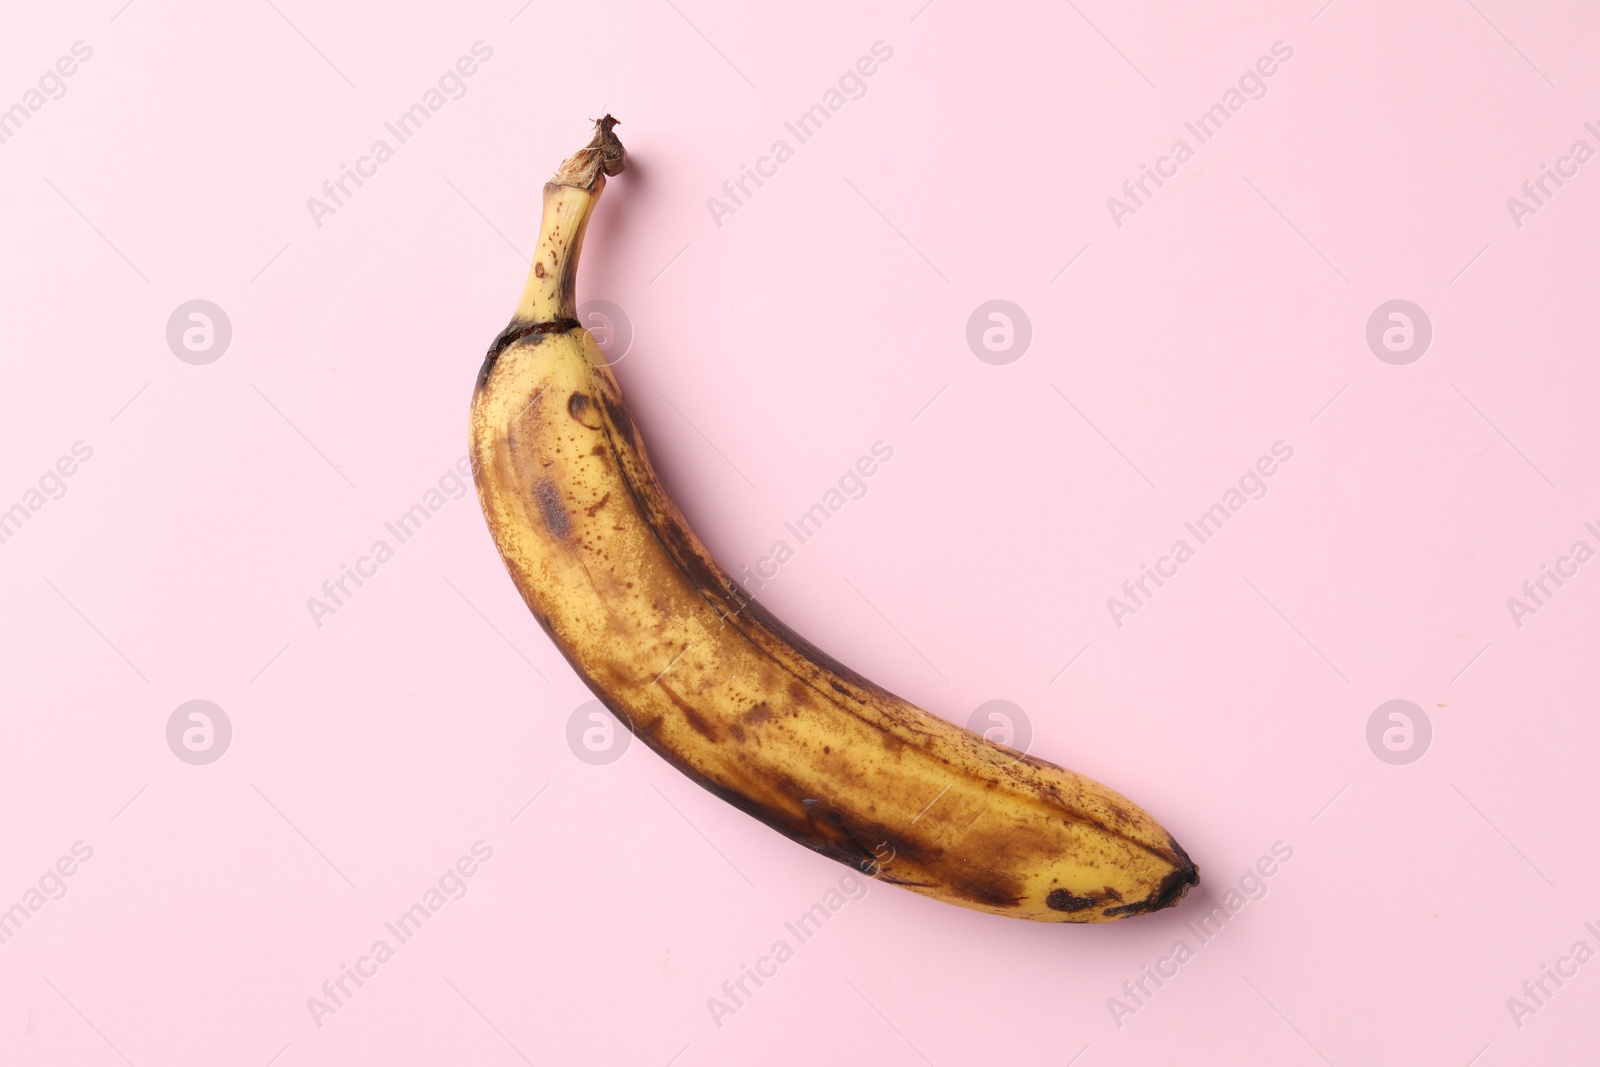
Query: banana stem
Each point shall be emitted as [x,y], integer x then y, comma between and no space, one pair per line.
[549,301]
[603,153]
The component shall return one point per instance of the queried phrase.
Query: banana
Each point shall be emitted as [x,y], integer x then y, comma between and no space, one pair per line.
[722,689]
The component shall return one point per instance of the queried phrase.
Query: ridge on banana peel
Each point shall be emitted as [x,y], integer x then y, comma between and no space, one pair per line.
[723,690]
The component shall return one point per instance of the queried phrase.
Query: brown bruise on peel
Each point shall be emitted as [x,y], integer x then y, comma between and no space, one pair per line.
[1061,900]
[701,724]
[548,496]
[578,405]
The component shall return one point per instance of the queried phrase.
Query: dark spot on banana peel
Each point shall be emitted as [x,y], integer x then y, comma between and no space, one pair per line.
[834,834]
[983,886]
[620,419]
[701,724]
[538,269]
[548,497]
[1117,817]
[597,505]
[1061,900]
[758,714]
[579,405]
[566,283]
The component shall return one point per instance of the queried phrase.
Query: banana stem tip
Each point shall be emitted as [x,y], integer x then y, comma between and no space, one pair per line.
[603,154]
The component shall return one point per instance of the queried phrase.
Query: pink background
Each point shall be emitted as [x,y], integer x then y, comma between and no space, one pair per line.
[372,751]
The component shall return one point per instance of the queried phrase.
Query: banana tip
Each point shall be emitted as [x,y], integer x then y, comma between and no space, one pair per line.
[1175,885]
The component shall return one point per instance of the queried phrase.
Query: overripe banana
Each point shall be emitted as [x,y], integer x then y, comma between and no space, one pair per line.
[722,689]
